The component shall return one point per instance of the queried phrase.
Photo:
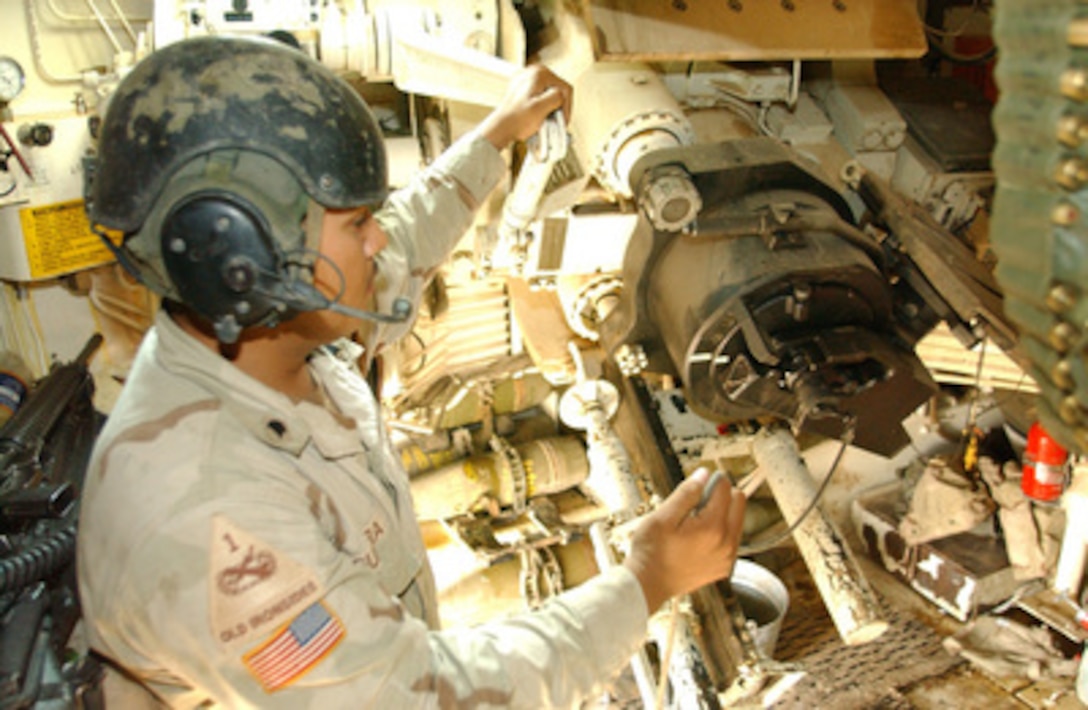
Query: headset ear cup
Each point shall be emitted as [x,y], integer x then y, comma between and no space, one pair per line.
[220,256]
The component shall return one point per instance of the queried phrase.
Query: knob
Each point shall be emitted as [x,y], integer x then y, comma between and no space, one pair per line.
[36,134]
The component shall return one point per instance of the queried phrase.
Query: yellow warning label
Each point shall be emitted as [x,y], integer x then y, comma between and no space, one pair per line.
[59,239]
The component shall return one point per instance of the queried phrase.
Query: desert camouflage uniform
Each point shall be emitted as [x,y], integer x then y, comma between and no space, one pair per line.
[240,549]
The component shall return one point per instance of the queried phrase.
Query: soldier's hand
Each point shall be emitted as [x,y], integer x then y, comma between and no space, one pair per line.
[533,94]
[680,547]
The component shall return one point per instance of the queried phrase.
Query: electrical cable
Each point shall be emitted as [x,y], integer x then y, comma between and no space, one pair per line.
[930,29]
[764,126]
[422,357]
[756,548]
[795,85]
[739,107]
[935,34]
[304,296]
[972,416]
[735,104]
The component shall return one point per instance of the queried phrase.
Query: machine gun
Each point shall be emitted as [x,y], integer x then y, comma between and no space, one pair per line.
[44,451]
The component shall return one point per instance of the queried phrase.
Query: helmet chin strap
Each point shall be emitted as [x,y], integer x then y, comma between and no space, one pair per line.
[315,218]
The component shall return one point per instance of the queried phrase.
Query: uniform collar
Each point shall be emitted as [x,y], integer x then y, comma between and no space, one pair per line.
[268,414]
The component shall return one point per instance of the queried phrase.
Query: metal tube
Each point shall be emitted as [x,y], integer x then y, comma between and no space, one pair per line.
[1069,572]
[554,464]
[611,478]
[846,593]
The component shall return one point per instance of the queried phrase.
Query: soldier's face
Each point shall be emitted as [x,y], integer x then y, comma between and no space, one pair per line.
[350,239]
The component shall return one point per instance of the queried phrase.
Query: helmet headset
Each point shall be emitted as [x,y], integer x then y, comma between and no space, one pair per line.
[211,153]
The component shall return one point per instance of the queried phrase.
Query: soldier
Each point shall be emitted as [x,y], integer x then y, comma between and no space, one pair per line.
[247,536]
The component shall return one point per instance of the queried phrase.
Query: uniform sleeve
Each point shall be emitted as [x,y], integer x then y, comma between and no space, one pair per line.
[553,657]
[425,219]
[323,633]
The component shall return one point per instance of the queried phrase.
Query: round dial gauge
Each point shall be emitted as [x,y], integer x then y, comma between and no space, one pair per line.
[11,79]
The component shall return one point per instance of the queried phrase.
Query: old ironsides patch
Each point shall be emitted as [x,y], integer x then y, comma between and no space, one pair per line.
[254,588]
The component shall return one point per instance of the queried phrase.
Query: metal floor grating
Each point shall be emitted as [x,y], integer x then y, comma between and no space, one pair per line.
[843,677]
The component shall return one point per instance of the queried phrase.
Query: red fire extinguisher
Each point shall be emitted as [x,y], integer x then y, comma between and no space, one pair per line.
[1044,471]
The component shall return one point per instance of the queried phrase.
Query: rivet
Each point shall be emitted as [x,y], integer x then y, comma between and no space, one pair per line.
[1074,84]
[1077,32]
[1061,298]
[1070,411]
[1072,130]
[1064,214]
[1072,173]
[1062,336]
[1062,376]
[177,245]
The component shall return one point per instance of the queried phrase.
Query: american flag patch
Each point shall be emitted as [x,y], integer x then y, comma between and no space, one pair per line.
[296,648]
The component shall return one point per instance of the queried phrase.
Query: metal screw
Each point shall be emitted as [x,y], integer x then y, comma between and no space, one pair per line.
[240,274]
[177,245]
[1061,298]
[1077,32]
[1070,411]
[1072,130]
[1074,84]
[1062,376]
[1064,214]
[1062,336]
[1072,173]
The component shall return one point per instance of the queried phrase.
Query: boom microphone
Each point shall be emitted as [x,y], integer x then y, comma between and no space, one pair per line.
[402,308]
[304,297]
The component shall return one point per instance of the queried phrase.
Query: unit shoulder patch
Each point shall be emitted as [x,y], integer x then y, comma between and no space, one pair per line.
[253,587]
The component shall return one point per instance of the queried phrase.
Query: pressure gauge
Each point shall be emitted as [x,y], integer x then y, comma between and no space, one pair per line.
[11,79]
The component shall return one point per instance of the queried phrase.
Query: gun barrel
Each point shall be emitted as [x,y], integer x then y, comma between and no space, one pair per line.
[23,434]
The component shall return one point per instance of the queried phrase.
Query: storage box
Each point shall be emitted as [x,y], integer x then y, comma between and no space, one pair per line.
[962,573]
